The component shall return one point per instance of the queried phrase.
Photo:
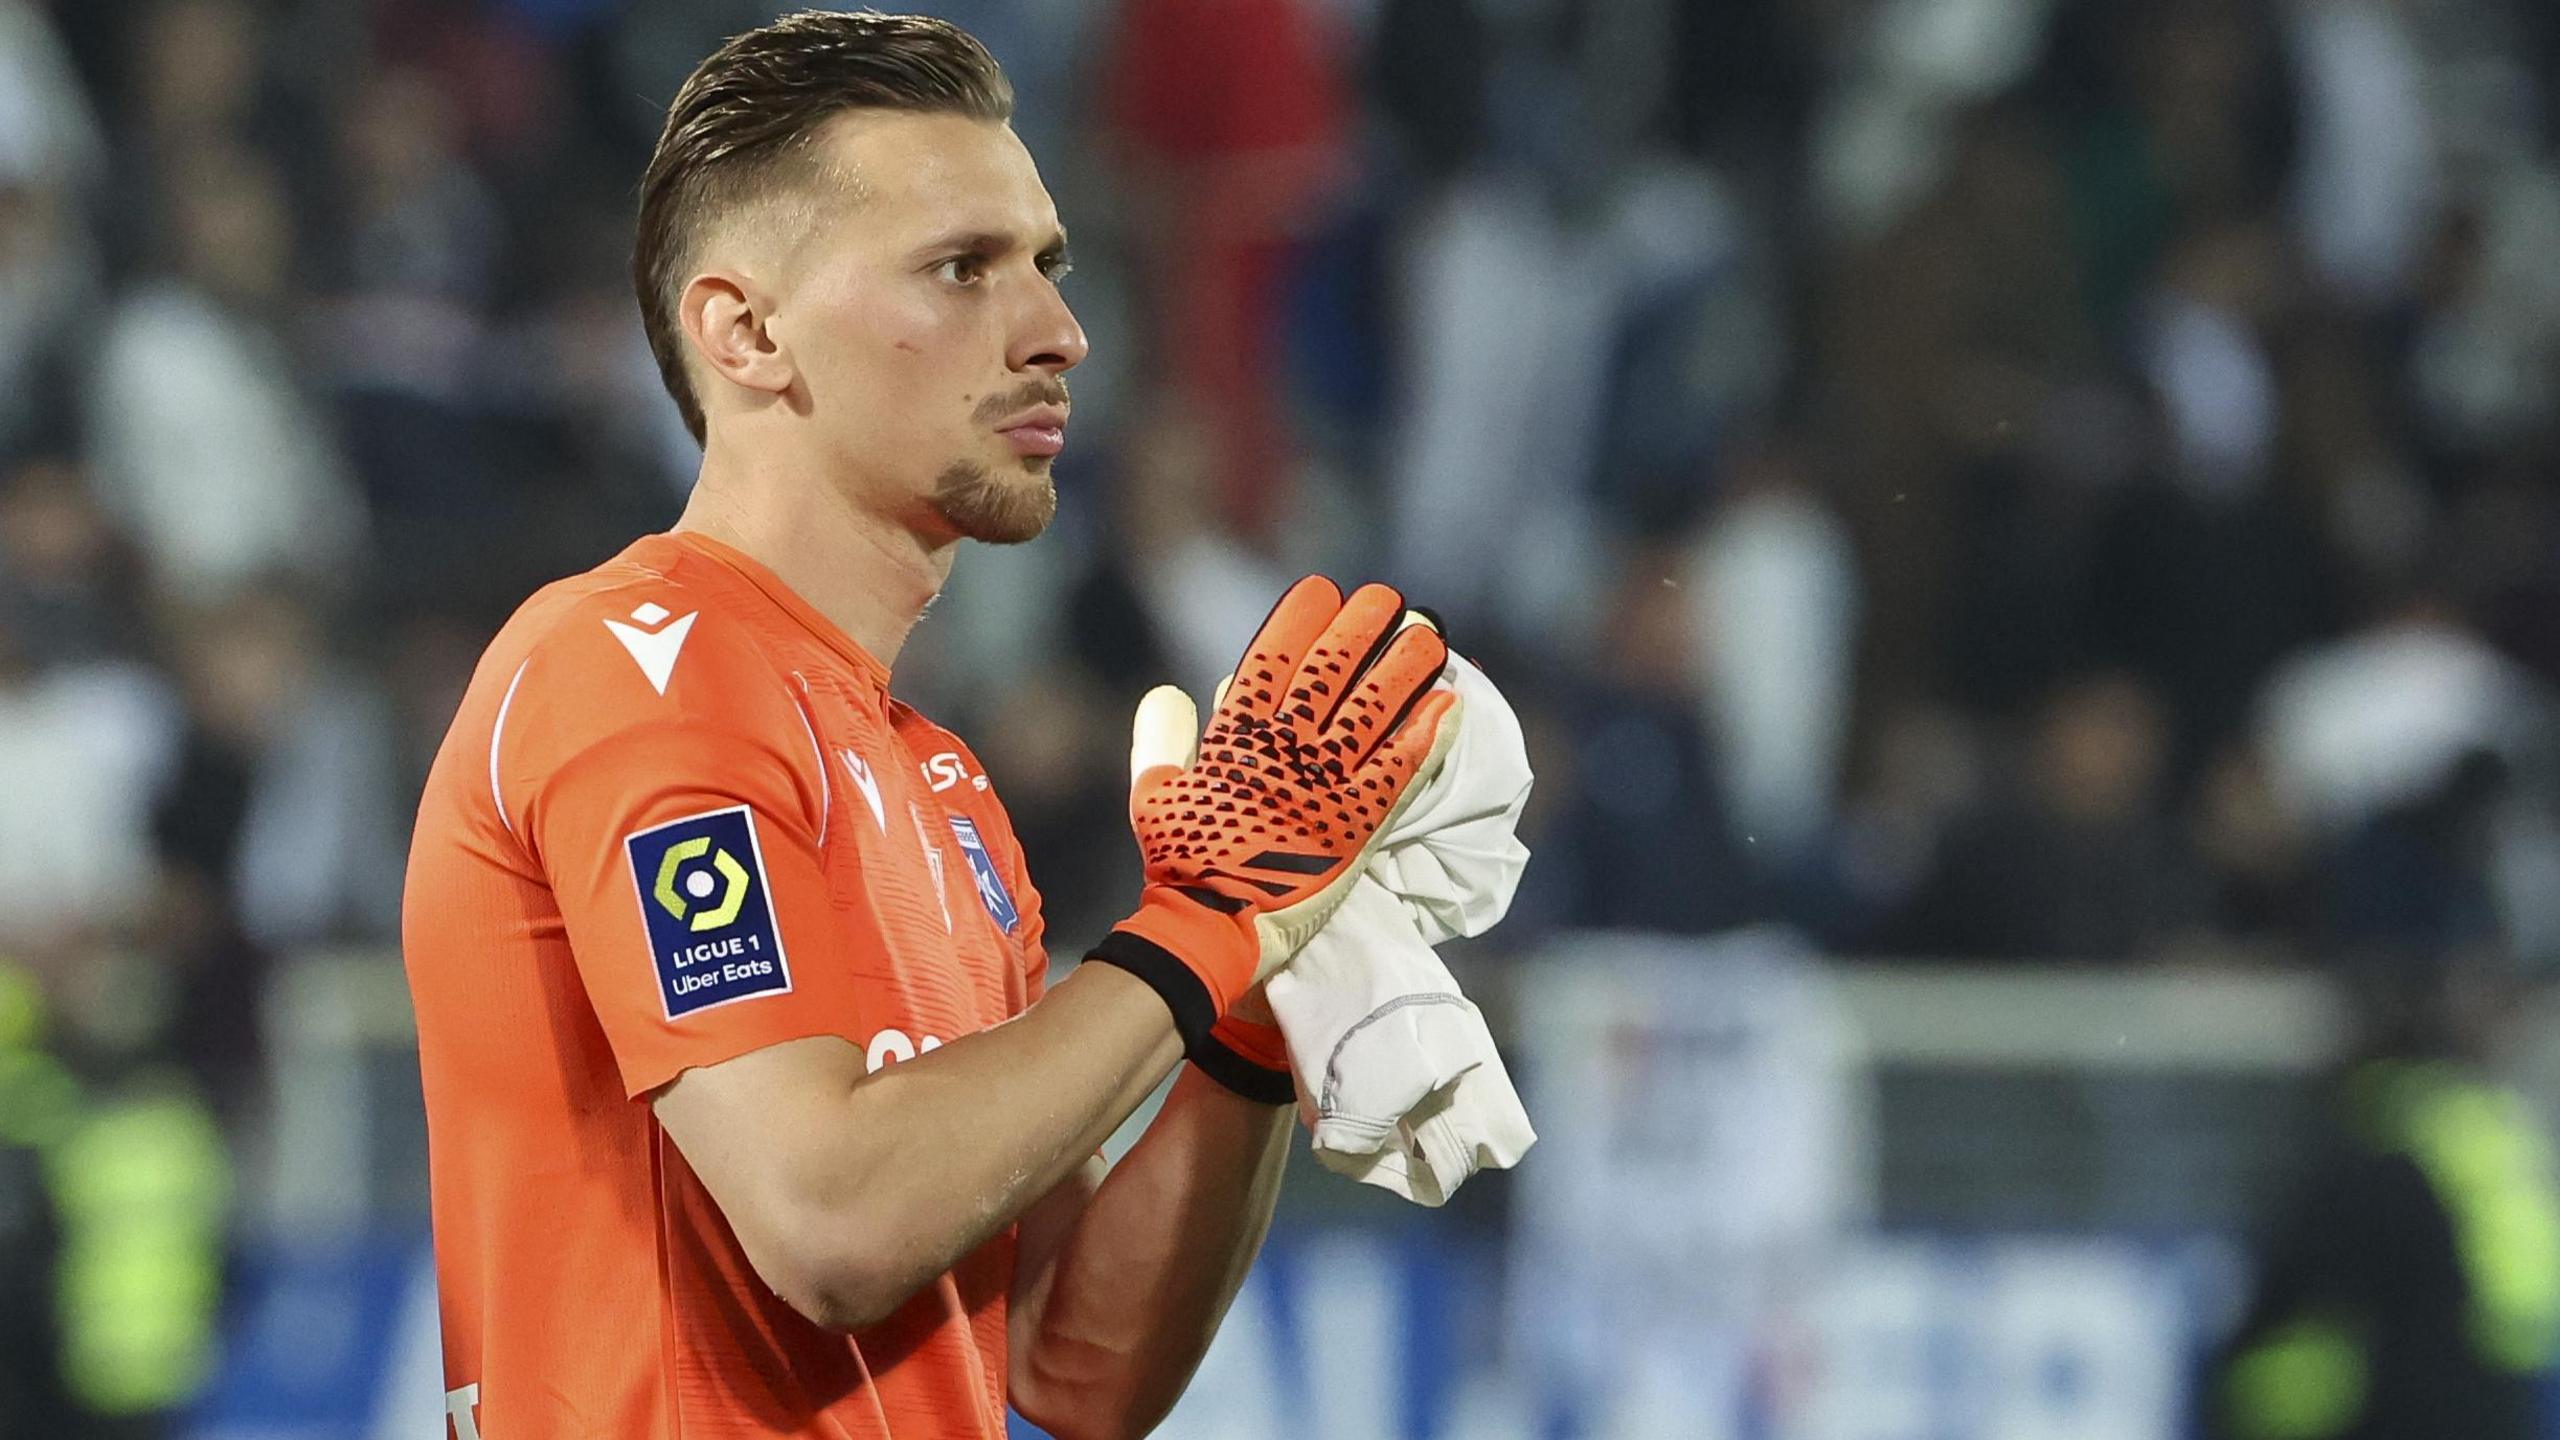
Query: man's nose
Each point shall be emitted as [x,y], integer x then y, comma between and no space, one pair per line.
[1049,339]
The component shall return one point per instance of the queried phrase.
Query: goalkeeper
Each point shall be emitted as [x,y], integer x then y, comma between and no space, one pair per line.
[747,1111]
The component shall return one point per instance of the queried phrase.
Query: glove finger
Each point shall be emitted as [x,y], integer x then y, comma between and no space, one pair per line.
[1420,615]
[1333,665]
[1165,732]
[1385,695]
[1292,628]
[1407,758]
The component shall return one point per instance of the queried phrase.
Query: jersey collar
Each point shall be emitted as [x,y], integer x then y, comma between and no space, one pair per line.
[771,586]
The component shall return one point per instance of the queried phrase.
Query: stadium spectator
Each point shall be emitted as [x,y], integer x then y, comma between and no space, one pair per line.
[1773,587]
[1646,839]
[2070,857]
[52,159]
[404,344]
[205,445]
[2381,717]
[281,800]
[2407,1291]
[1231,121]
[70,585]
[84,748]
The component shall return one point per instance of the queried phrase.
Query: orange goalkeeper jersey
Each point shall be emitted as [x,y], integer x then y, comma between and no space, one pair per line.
[678,818]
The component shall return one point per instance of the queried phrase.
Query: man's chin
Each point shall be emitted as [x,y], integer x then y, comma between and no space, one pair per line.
[1018,530]
[1008,511]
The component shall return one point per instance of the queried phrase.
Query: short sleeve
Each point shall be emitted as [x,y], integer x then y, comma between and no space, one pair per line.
[1014,902]
[688,873]
[1029,931]
[1034,935]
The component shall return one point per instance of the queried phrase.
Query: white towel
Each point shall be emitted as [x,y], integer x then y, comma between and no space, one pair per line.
[1398,1078]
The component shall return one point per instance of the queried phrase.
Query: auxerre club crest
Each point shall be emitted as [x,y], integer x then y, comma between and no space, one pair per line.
[710,920]
[991,891]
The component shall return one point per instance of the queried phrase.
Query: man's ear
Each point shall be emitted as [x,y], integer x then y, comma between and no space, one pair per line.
[725,314]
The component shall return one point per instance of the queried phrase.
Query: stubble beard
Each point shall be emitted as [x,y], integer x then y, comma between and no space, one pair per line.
[1009,510]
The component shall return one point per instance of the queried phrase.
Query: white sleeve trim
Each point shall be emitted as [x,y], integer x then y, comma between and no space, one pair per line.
[826,789]
[495,733]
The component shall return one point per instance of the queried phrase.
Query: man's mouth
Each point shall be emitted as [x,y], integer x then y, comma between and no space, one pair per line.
[1042,431]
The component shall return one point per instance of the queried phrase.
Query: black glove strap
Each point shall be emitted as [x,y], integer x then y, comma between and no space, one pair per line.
[1259,1083]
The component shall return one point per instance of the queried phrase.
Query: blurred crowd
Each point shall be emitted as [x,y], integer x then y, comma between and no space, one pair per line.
[1990,478]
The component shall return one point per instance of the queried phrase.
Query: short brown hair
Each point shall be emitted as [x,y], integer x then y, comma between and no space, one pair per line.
[745,117]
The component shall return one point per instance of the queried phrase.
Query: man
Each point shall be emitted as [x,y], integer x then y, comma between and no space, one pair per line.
[2411,1289]
[747,1111]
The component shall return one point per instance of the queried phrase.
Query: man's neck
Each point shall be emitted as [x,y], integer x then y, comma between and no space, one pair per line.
[869,575]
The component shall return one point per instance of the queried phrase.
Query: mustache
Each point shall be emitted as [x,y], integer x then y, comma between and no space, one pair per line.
[1049,391]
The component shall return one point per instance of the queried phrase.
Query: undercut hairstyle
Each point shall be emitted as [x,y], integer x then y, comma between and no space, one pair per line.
[742,129]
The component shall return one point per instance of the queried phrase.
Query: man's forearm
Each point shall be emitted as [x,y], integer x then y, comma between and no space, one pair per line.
[995,1119]
[887,1181]
[1122,1315]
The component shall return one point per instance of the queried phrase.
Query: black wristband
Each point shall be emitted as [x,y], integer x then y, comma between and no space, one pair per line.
[1182,990]
[1260,1083]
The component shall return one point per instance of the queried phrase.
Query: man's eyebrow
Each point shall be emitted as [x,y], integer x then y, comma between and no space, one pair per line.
[990,242]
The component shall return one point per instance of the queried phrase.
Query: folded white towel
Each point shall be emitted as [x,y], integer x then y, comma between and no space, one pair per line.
[1398,1078]
[1454,855]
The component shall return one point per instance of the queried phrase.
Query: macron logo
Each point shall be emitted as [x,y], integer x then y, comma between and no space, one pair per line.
[869,784]
[656,647]
[460,1412]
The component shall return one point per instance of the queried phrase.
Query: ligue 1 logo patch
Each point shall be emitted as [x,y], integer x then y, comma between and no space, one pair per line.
[703,897]
[991,891]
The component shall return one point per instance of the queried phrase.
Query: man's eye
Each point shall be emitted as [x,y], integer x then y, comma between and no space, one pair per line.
[1057,270]
[962,269]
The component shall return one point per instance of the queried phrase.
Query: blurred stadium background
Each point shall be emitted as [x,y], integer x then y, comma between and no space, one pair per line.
[2026,534]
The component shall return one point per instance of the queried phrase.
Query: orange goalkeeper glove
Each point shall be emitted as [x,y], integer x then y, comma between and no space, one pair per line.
[1252,834]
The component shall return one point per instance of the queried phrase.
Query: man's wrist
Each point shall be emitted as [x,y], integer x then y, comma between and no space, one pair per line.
[1247,1056]
[1197,958]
